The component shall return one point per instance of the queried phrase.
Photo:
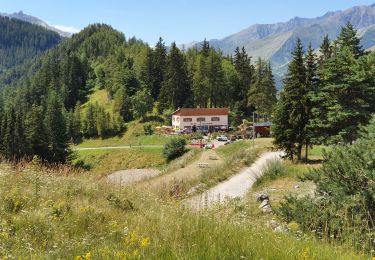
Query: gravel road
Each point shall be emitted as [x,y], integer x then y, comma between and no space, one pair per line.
[237,185]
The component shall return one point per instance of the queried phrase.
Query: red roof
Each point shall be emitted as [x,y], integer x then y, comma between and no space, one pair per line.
[201,112]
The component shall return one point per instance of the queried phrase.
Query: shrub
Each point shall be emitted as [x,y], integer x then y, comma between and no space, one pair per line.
[123,204]
[147,128]
[344,206]
[174,148]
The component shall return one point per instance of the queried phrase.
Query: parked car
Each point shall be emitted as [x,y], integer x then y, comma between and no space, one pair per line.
[222,138]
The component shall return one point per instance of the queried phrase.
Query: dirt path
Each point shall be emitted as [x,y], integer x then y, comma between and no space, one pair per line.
[236,186]
[189,172]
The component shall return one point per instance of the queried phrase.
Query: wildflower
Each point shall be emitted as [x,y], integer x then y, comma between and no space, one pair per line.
[135,253]
[131,239]
[306,254]
[86,256]
[145,241]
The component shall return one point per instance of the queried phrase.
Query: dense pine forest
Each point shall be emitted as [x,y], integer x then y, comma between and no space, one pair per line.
[21,41]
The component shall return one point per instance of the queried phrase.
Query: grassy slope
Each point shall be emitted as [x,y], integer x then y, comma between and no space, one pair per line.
[286,182]
[133,136]
[70,216]
[103,162]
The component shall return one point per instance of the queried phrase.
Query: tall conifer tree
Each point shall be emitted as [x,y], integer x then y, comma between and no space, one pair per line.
[290,118]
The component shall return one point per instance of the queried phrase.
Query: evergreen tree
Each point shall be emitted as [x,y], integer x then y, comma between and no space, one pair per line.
[36,132]
[325,49]
[122,105]
[262,92]
[8,146]
[344,97]
[242,63]
[19,138]
[215,76]
[230,83]
[160,63]
[200,82]
[88,122]
[147,70]
[74,76]
[348,38]
[73,121]
[176,90]
[56,129]
[311,86]
[205,48]
[290,118]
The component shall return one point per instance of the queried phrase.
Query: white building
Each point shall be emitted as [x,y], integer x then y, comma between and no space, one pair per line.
[204,119]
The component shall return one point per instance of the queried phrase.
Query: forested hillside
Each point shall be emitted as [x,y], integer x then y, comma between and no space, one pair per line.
[20,41]
[48,103]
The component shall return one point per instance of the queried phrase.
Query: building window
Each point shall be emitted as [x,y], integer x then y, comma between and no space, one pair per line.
[188,119]
[201,119]
[215,118]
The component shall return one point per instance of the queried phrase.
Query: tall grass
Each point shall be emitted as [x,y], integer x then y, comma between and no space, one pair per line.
[273,170]
[72,217]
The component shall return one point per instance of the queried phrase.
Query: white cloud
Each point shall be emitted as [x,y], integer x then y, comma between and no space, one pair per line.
[64,28]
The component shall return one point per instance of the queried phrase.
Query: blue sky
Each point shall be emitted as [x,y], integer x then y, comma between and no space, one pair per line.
[182,21]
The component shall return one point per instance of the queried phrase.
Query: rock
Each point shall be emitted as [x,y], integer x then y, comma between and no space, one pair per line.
[267,209]
[296,187]
[265,206]
[262,197]
[264,203]
[280,229]
[272,224]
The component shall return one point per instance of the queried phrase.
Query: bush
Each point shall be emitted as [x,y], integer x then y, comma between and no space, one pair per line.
[344,206]
[147,128]
[174,148]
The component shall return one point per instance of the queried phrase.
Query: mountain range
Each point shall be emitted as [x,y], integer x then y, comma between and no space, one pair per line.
[275,42]
[34,20]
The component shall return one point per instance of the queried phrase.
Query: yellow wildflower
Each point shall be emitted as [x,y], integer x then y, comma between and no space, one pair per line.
[145,241]
[88,256]
[135,253]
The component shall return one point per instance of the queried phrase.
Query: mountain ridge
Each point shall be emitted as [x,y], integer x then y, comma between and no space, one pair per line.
[34,20]
[275,41]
